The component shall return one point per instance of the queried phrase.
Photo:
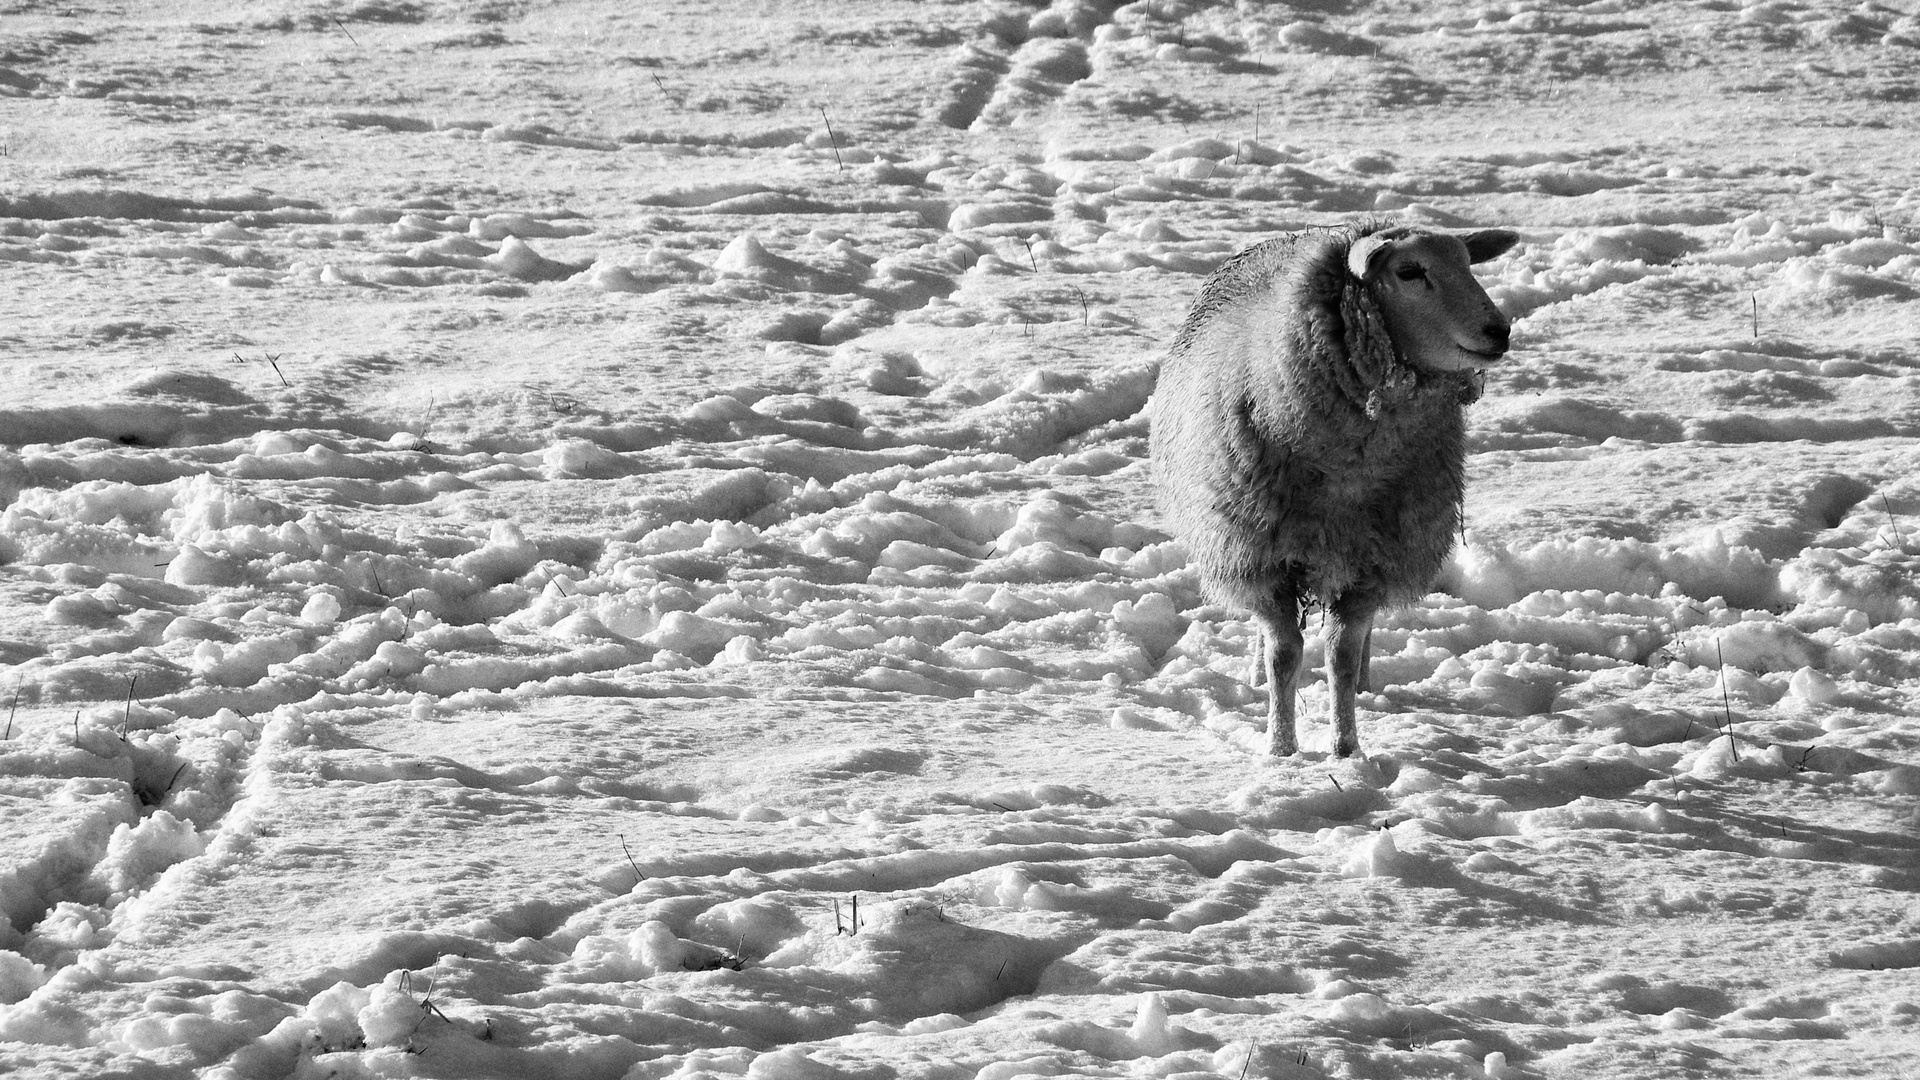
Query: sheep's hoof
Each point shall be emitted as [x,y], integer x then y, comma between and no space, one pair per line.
[1346,749]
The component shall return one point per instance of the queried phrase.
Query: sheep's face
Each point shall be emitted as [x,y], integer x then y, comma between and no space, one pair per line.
[1435,310]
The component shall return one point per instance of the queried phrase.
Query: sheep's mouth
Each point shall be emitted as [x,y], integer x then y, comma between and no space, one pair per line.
[1460,358]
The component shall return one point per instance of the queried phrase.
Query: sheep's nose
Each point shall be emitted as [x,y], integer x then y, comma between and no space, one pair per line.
[1498,333]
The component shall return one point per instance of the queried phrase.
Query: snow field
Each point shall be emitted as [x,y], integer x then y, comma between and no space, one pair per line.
[634,585]
[941,576]
[925,581]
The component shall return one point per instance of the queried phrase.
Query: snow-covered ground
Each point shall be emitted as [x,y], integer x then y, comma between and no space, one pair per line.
[596,540]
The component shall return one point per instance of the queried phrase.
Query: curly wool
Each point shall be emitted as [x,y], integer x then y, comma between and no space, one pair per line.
[1292,442]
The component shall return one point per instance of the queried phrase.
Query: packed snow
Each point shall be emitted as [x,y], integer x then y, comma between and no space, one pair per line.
[615,541]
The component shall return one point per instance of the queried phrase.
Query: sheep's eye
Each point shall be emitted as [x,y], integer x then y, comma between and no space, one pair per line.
[1410,272]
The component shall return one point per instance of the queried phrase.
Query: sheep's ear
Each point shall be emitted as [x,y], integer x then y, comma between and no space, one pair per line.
[1365,253]
[1489,244]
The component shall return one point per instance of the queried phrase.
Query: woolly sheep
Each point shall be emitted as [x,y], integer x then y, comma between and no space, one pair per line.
[1308,436]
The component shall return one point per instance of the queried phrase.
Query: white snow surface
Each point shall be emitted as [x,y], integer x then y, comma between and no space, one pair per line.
[608,540]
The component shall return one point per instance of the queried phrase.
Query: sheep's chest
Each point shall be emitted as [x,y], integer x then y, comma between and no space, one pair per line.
[1342,454]
[1363,499]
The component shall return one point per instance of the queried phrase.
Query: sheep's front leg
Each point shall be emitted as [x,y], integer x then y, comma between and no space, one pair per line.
[1281,645]
[1349,649]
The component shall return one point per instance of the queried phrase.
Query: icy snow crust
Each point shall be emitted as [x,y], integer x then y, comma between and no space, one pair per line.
[523,555]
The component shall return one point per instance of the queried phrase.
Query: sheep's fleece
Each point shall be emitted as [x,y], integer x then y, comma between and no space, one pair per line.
[1291,443]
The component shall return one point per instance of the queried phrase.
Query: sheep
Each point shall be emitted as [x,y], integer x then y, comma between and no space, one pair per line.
[1308,436]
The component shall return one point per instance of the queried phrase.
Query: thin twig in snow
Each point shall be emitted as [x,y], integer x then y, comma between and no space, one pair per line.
[426,424]
[629,854]
[838,165]
[126,718]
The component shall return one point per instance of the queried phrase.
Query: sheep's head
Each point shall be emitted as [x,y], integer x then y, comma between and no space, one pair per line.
[1435,310]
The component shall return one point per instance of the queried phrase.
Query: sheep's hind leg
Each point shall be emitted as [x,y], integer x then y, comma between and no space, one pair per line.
[1348,657]
[1281,645]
